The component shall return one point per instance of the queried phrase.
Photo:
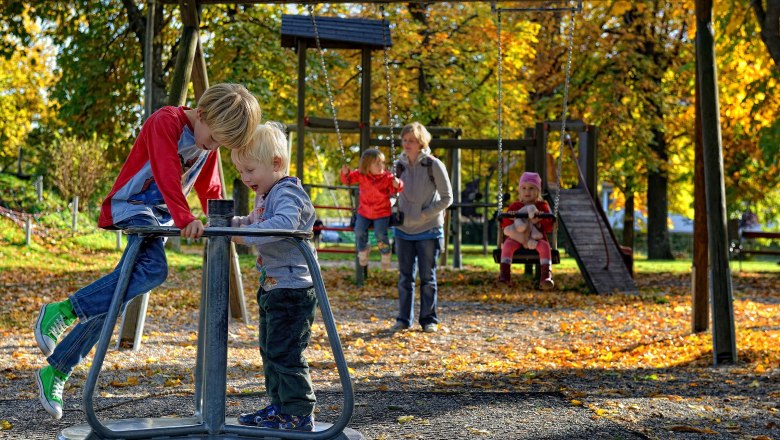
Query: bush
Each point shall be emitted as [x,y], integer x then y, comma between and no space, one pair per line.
[79,167]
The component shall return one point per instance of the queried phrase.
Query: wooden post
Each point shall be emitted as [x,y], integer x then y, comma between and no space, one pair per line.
[365,98]
[39,187]
[455,172]
[132,327]
[75,213]
[587,138]
[188,44]
[28,231]
[300,135]
[700,315]
[723,338]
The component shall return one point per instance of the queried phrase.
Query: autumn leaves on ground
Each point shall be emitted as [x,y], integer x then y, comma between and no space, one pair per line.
[599,351]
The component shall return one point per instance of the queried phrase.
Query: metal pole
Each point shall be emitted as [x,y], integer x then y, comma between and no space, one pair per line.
[217,304]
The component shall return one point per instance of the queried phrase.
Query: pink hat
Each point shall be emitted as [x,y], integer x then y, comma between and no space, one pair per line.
[533,179]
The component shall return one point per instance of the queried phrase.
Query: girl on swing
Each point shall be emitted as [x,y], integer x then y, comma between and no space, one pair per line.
[376,185]
[530,233]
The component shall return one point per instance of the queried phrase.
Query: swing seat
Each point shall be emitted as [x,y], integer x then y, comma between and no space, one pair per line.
[527,256]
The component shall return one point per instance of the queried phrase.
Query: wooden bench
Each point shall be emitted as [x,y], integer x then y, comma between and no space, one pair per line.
[738,248]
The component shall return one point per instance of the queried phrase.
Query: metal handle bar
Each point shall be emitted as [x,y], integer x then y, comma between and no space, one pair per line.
[517,214]
[218,231]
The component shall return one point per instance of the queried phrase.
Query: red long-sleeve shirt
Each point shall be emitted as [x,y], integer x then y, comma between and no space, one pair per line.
[375,192]
[161,169]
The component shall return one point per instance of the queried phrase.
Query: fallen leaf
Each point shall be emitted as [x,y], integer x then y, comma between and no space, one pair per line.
[405,419]
[688,428]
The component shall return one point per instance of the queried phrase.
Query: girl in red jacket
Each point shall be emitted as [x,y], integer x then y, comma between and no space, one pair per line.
[377,185]
[530,233]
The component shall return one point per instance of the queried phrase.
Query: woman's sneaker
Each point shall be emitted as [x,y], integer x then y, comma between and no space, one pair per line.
[52,322]
[254,419]
[50,385]
[290,423]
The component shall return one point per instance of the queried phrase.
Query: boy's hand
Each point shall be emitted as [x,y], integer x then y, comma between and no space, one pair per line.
[193,230]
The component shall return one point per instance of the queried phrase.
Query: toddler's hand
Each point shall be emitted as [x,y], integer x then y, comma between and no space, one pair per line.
[344,169]
[238,239]
[396,182]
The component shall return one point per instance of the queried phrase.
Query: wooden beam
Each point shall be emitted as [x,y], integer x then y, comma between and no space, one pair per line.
[469,144]
[177,95]
[322,125]
[286,2]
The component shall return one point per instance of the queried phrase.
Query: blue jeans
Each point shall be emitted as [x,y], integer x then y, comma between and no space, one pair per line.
[425,253]
[380,232]
[91,303]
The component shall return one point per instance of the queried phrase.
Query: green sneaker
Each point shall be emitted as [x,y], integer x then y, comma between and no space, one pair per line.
[50,385]
[53,320]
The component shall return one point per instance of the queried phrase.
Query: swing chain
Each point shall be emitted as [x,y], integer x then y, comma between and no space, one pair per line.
[564,136]
[500,195]
[310,7]
[390,118]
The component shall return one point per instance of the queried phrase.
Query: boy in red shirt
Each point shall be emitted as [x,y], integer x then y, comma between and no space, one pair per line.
[175,152]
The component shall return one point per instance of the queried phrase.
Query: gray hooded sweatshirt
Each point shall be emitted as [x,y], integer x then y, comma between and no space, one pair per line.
[426,193]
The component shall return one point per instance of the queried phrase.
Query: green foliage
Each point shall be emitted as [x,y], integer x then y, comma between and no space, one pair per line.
[632,75]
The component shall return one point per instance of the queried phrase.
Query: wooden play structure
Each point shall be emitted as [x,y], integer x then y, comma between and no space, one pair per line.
[191,66]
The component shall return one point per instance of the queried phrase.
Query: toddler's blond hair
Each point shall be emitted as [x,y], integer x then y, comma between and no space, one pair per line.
[268,142]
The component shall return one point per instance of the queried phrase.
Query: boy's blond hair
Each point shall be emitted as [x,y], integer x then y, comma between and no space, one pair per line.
[231,112]
[420,133]
[368,157]
[268,142]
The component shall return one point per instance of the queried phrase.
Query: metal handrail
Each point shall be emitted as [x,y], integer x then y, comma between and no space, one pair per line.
[297,237]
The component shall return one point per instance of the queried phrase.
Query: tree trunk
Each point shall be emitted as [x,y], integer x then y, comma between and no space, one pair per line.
[769,19]
[658,244]
[628,217]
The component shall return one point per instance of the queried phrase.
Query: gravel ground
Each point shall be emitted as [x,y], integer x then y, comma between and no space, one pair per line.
[403,392]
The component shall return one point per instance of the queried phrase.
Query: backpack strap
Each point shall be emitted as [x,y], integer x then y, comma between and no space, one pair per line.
[427,163]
